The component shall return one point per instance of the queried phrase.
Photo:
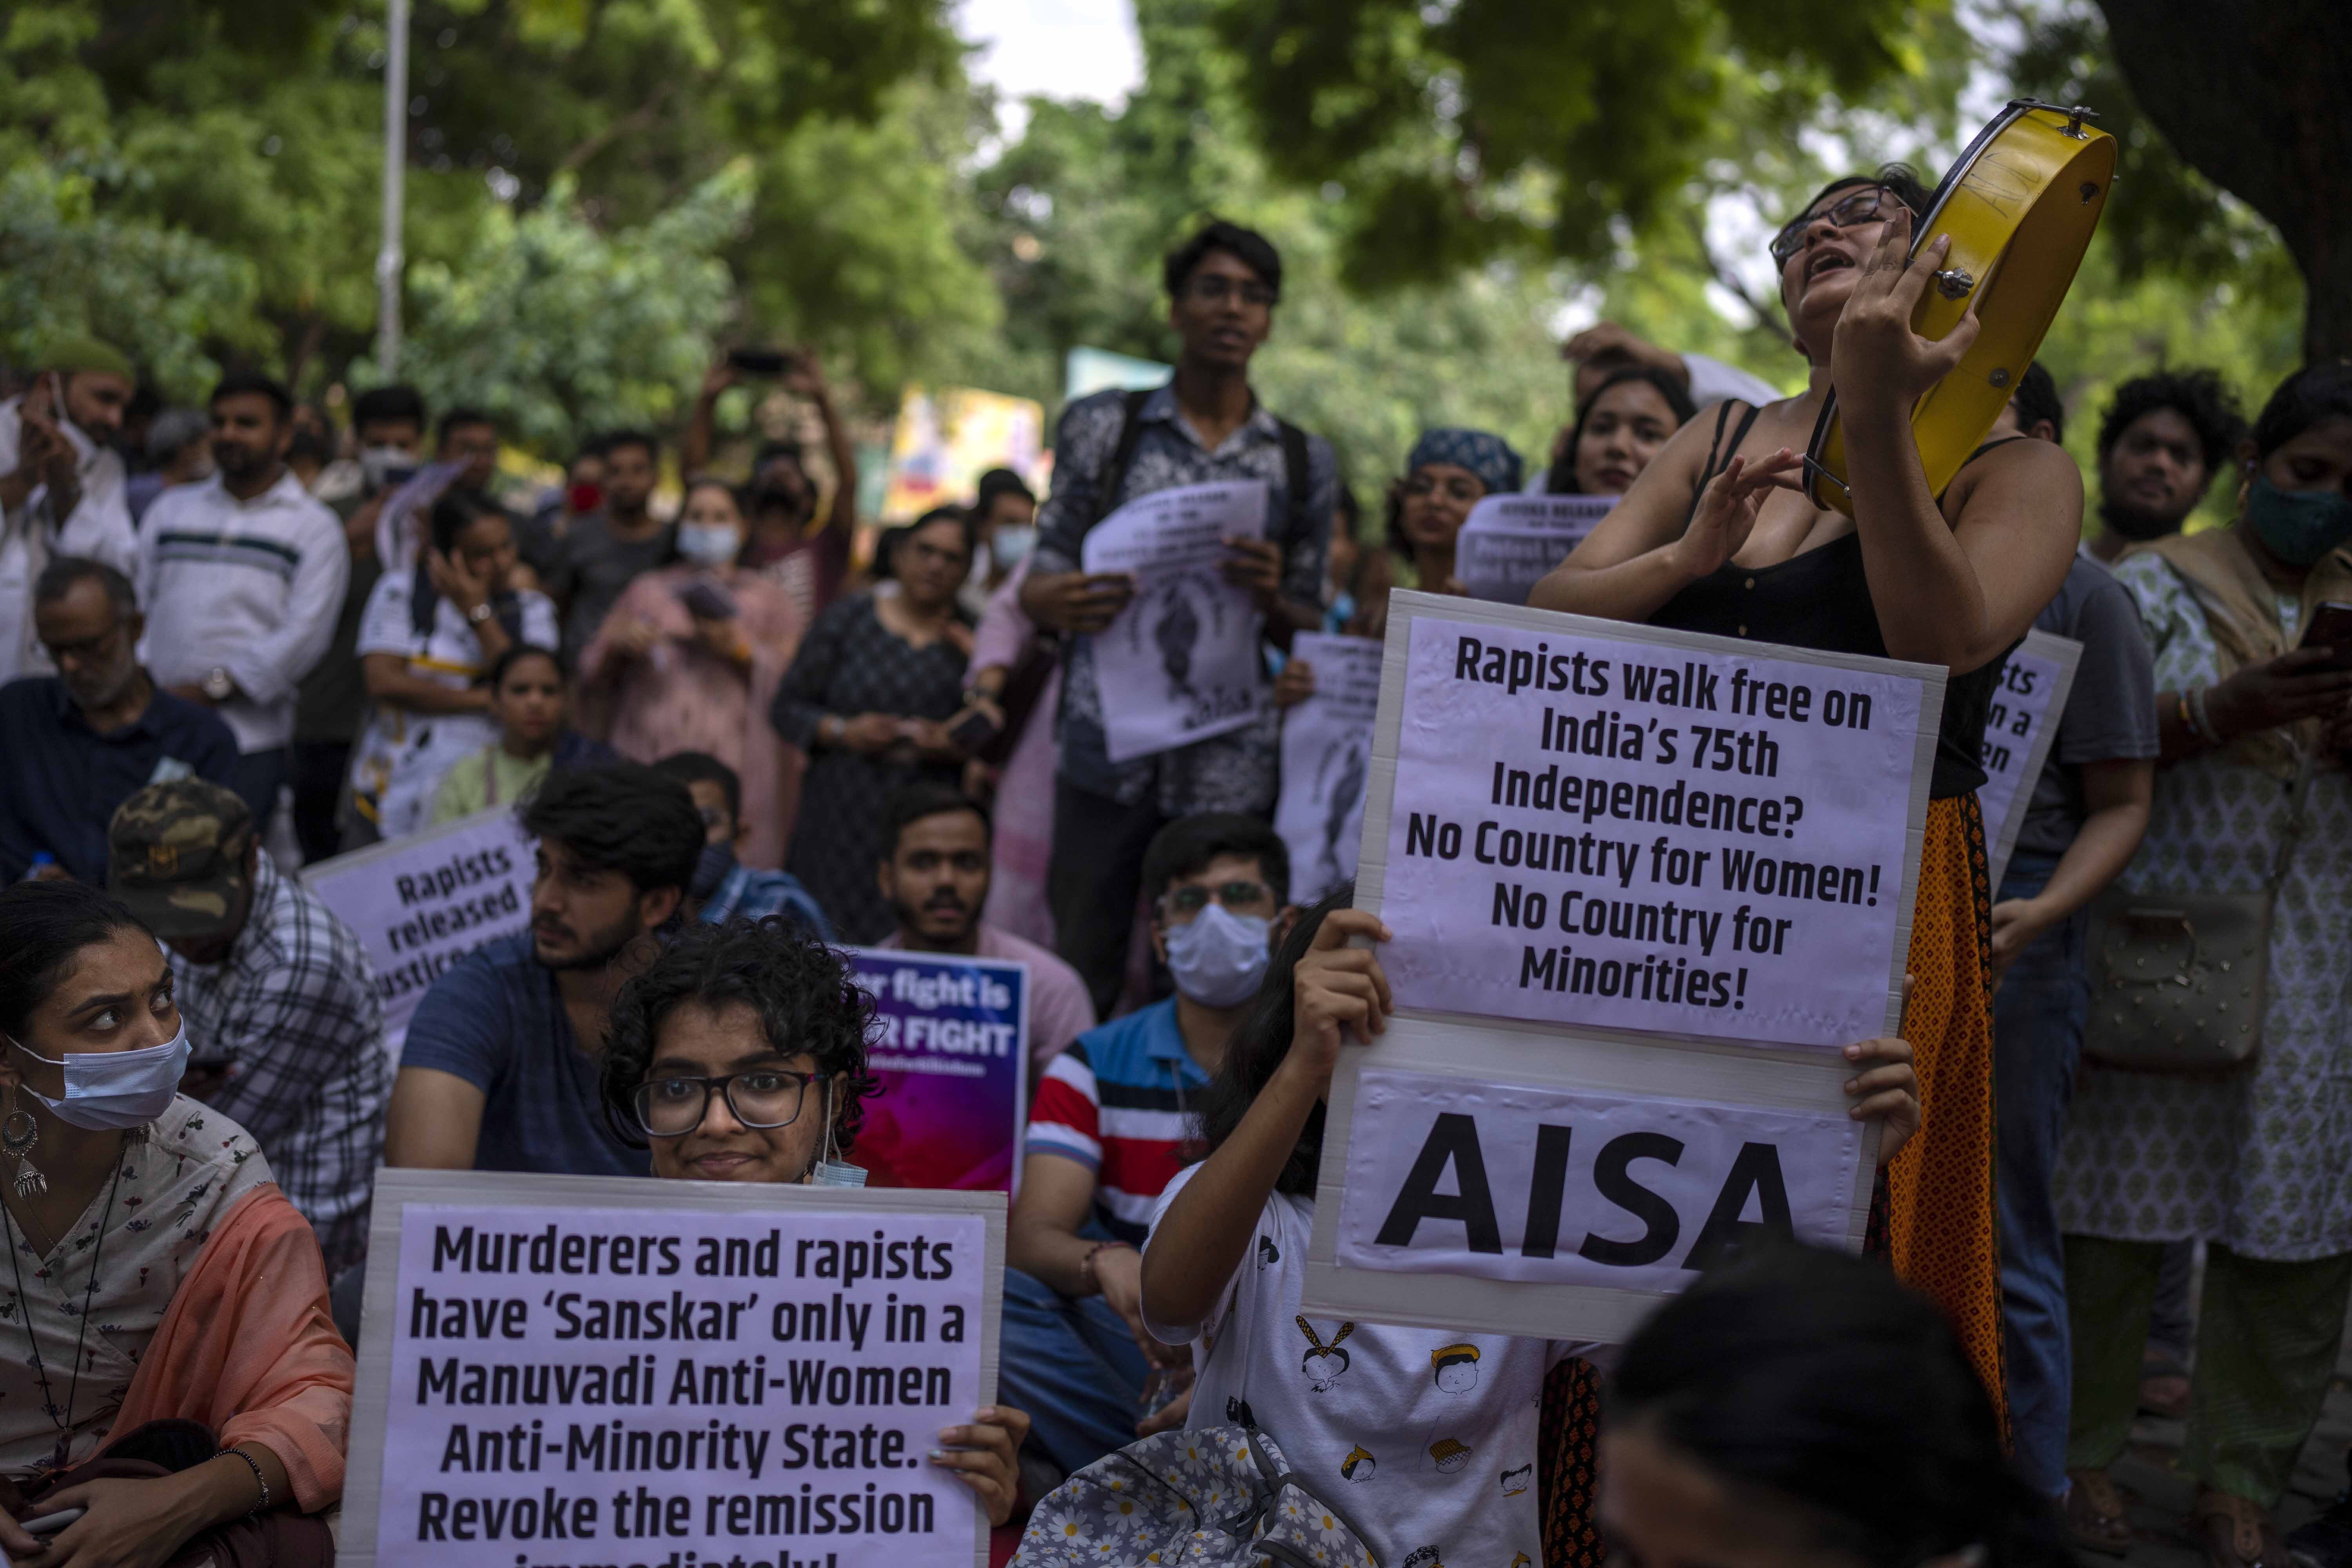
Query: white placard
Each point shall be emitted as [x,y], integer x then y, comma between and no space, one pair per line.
[1621,828]
[1181,662]
[2019,728]
[421,903]
[1509,543]
[1570,1187]
[616,1370]
[1327,743]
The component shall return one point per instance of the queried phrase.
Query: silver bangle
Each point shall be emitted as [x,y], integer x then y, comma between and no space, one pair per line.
[258,1479]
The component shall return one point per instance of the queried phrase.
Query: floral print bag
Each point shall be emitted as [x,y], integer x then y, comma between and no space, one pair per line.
[1222,1496]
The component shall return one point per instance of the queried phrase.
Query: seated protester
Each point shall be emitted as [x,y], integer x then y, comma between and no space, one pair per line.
[724,888]
[528,705]
[76,744]
[714,1051]
[499,1070]
[935,873]
[428,638]
[1800,1405]
[1107,1128]
[285,1035]
[170,1365]
[1227,1255]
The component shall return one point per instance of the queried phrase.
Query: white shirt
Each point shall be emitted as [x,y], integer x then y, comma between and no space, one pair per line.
[99,527]
[252,587]
[1425,1437]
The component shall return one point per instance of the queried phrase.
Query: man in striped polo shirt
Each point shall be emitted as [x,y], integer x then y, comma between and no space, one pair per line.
[1109,1127]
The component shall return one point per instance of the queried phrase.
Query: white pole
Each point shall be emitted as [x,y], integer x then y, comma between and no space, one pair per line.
[395,158]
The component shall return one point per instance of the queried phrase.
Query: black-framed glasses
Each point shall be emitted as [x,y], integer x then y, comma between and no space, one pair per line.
[1865,205]
[763,1098]
[1215,290]
[1185,903]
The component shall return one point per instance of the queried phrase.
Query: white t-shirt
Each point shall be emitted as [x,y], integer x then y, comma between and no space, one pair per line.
[1424,1439]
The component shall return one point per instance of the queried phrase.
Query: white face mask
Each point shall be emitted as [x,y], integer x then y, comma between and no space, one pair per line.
[1219,959]
[709,544]
[1010,544]
[110,1090]
[387,465]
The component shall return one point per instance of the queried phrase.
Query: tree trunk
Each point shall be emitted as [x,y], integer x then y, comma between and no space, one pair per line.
[2256,95]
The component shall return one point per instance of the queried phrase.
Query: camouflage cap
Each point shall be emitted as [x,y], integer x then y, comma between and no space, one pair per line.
[176,855]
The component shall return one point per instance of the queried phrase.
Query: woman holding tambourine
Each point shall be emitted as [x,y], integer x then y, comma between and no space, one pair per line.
[1718,536]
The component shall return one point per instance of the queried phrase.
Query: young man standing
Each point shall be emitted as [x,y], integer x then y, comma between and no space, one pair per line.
[1206,424]
[934,872]
[62,487]
[2161,440]
[1108,1126]
[285,1035]
[604,551]
[501,1068]
[242,577]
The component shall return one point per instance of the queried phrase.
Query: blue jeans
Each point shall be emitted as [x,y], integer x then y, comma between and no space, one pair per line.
[1073,1367]
[2038,1018]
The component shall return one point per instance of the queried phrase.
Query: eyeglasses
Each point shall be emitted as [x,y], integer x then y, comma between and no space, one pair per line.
[88,647]
[1214,289]
[766,1099]
[1864,205]
[1181,904]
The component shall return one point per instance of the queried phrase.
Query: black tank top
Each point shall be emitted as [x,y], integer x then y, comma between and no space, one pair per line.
[1821,599]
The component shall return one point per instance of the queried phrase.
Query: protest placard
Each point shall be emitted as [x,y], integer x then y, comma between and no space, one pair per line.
[421,903]
[1641,884]
[2019,728]
[952,1053]
[1629,829]
[668,1374]
[1327,743]
[1509,543]
[1181,661]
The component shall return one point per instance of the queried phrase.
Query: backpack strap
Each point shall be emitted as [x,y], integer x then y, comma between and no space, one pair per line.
[1113,477]
[1294,476]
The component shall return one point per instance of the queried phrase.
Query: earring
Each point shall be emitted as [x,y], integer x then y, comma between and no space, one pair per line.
[18,1141]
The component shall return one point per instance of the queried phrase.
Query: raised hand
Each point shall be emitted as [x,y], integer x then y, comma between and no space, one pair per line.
[1876,361]
[1728,510]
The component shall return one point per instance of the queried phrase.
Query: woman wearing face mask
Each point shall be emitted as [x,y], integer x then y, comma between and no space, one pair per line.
[168,1367]
[739,1054]
[427,639]
[692,654]
[1624,424]
[869,698]
[2255,1163]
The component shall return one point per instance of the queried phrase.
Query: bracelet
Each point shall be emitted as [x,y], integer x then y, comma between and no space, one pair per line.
[2180,711]
[2201,719]
[1087,1264]
[258,1479]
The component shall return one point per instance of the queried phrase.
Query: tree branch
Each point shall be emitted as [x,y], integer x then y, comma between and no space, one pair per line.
[636,120]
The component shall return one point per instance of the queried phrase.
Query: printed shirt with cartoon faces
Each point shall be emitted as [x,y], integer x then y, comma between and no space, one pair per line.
[193,1166]
[1425,1438]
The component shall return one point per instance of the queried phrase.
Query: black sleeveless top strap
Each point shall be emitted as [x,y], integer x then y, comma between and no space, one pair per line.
[1821,599]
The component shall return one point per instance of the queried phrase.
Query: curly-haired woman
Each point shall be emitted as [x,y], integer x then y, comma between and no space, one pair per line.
[739,1056]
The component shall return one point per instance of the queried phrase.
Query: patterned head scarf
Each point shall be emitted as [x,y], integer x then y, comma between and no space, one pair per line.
[1486,455]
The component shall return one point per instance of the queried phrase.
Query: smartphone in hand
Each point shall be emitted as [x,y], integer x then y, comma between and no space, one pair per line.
[708,601]
[2331,627]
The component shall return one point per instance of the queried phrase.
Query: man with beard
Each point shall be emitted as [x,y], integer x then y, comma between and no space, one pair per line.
[2161,440]
[242,577]
[501,1068]
[76,745]
[934,872]
[604,551]
[62,487]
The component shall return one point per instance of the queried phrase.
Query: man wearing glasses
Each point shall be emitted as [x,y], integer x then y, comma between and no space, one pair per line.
[1204,425]
[76,745]
[1107,1127]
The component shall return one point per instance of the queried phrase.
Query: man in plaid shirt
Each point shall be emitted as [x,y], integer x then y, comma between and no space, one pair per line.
[286,1037]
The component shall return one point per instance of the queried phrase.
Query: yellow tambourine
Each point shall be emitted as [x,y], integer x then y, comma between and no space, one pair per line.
[2020,205]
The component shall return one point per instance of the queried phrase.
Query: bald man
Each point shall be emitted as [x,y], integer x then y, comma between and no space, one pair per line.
[61,486]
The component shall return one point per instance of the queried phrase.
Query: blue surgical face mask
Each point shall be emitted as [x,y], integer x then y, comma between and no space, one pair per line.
[110,1090]
[1011,544]
[709,544]
[1219,959]
[2299,527]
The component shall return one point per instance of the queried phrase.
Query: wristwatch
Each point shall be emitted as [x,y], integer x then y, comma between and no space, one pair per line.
[218,684]
[479,613]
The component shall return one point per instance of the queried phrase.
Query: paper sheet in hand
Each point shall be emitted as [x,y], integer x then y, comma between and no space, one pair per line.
[1180,663]
[1510,541]
[1326,742]
[2020,727]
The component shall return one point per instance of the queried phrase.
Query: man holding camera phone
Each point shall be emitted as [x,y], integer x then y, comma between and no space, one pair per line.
[810,558]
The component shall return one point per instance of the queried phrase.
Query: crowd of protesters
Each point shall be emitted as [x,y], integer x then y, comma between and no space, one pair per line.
[736,747]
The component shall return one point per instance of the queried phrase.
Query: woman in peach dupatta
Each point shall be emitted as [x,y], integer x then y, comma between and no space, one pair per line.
[167,1362]
[691,656]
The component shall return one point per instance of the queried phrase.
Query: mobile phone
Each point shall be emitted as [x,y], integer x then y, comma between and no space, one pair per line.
[50,1523]
[2331,627]
[708,602]
[760,362]
[975,730]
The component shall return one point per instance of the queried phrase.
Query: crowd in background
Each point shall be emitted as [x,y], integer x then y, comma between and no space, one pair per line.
[735,742]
